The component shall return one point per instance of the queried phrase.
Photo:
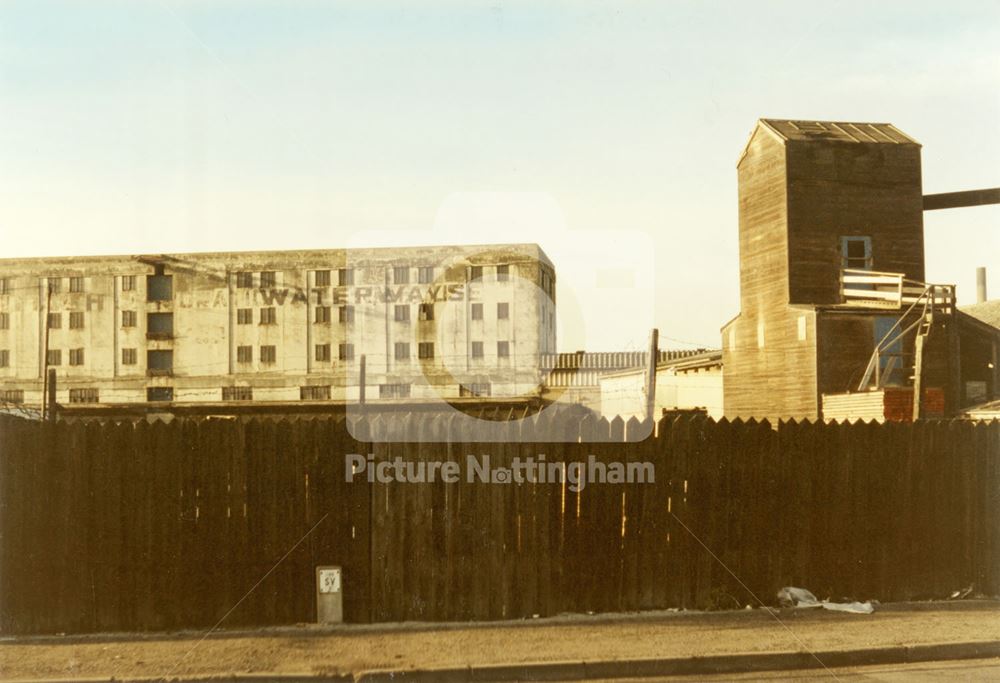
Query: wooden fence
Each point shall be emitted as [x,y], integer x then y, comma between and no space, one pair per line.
[122,527]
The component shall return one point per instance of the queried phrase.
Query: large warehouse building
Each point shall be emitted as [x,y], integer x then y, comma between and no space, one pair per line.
[277,326]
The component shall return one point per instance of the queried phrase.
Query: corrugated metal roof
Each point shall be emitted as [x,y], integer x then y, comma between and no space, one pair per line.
[844,131]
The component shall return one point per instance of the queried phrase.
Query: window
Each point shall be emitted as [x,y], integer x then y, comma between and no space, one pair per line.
[129,356]
[3,285]
[426,312]
[244,316]
[503,349]
[323,352]
[159,287]
[475,272]
[346,352]
[76,356]
[159,393]
[128,283]
[237,393]
[474,389]
[159,361]
[322,314]
[345,276]
[322,278]
[12,395]
[54,357]
[55,285]
[159,325]
[425,350]
[403,313]
[76,284]
[425,274]
[268,354]
[503,311]
[477,349]
[477,311]
[4,358]
[76,320]
[244,354]
[129,319]
[244,280]
[267,279]
[347,314]
[393,390]
[503,273]
[402,351]
[83,395]
[401,275]
[55,321]
[4,321]
[268,316]
[316,393]
[856,252]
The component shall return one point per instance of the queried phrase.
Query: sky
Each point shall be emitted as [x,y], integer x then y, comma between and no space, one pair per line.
[608,133]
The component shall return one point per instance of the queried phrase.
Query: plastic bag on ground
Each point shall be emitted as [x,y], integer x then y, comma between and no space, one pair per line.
[790,596]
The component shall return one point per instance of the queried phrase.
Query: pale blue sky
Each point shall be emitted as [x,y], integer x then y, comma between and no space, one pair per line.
[186,126]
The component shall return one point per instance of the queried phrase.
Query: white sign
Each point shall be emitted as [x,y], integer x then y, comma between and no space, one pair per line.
[329,581]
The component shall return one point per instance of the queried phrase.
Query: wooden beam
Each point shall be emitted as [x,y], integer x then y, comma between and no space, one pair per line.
[954,200]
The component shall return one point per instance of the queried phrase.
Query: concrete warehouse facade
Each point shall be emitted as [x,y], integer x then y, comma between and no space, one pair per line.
[277,326]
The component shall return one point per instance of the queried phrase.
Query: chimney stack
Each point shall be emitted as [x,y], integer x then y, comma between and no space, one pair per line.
[980,285]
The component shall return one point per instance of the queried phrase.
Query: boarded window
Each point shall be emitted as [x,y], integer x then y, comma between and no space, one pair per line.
[345,276]
[159,287]
[4,285]
[503,349]
[394,390]
[347,314]
[160,361]
[401,275]
[425,274]
[76,320]
[129,356]
[322,278]
[76,356]
[402,351]
[128,283]
[503,311]
[237,393]
[477,349]
[425,350]
[83,396]
[475,272]
[268,279]
[4,321]
[244,316]
[54,357]
[475,389]
[55,321]
[55,285]
[268,316]
[268,354]
[76,284]
[346,352]
[315,393]
[159,393]
[244,354]
[4,358]
[244,280]
[477,311]
[129,319]
[503,273]
[159,325]
[12,395]
[403,313]
[322,352]
[322,314]
[427,311]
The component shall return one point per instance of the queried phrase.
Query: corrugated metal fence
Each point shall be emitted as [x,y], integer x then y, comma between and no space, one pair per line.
[112,527]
